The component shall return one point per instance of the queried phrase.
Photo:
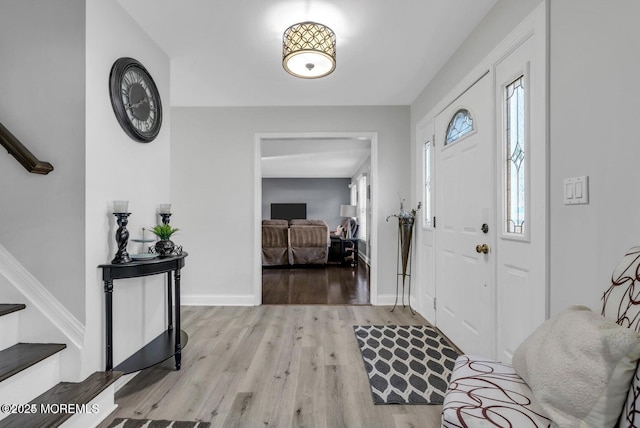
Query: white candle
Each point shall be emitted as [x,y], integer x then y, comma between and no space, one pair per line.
[164,209]
[120,206]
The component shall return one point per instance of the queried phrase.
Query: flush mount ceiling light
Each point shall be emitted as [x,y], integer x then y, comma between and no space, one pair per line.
[309,50]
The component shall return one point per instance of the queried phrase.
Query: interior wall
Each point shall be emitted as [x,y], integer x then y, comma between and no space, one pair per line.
[493,28]
[42,46]
[594,89]
[323,196]
[589,90]
[119,168]
[364,247]
[213,176]
[499,22]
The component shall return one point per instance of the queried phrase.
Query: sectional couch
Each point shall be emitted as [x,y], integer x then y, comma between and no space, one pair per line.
[295,242]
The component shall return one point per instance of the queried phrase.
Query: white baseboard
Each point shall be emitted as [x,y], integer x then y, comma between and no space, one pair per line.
[389,299]
[216,300]
[94,412]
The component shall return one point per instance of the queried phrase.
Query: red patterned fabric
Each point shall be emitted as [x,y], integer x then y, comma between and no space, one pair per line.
[621,302]
[486,393]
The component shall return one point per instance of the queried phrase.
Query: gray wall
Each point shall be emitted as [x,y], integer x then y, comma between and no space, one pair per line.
[594,95]
[42,102]
[593,88]
[494,27]
[323,196]
[213,187]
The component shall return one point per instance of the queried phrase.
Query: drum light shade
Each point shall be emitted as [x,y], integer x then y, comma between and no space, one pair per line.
[309,50]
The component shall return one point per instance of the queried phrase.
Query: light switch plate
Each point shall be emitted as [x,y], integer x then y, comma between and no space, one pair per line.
[576,190]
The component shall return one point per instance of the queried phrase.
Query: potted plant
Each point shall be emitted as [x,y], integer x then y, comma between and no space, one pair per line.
[164,247]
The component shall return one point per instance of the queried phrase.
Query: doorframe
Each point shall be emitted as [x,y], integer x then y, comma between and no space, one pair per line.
[535,24]
[257,197]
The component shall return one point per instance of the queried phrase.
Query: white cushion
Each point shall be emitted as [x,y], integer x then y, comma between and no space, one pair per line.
[579,366]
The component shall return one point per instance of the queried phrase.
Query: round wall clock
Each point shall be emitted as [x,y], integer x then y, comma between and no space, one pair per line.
[135,100]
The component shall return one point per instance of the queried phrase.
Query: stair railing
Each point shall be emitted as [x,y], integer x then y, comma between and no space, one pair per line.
[22,154]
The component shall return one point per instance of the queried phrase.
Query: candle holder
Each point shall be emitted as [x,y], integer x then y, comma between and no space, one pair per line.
[164,211]
[165,217]
[122,238]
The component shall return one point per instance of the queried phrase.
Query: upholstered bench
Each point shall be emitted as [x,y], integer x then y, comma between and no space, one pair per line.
[581,369]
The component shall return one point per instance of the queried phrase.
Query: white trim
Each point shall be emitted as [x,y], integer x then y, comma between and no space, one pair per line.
[41,298]
[104,405]
[389,299]
[217,300]
[257,197]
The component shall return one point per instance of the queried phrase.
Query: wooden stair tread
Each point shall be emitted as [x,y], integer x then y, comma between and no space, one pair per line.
[23,355]
[7,308]
[68,393]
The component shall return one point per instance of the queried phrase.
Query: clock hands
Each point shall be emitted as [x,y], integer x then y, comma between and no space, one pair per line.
[138,104]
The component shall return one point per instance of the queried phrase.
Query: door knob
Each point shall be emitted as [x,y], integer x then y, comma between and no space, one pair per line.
[482,249]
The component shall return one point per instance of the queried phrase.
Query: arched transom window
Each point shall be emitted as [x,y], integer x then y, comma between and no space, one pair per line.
[460,125]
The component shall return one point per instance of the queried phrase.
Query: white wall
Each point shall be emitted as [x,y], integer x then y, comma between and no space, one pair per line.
[494,27]
[594,91]
[212,169]
[42,93]
[119,168]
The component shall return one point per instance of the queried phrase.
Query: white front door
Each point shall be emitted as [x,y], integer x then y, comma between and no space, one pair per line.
[465,221]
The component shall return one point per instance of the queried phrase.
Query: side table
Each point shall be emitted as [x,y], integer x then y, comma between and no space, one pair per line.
[172,340]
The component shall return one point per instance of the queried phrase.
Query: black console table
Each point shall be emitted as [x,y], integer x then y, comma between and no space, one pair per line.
[171,341]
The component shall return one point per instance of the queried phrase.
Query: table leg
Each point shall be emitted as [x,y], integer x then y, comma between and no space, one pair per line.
[177,323]
[108,294]
[170,301]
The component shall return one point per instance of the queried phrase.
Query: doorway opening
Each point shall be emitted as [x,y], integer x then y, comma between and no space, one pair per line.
[316,175]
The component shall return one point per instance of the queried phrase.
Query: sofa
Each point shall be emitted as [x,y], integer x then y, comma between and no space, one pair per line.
[578,369]
[294,242]
[275,242]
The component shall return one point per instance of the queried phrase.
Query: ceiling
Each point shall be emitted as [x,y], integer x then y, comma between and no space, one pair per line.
[314,157]
[229,53]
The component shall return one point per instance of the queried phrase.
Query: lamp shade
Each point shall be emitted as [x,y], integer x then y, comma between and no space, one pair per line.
[309,50]
[348,211]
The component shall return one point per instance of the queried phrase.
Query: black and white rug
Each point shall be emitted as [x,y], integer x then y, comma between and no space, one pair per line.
[406,364]
[148,423]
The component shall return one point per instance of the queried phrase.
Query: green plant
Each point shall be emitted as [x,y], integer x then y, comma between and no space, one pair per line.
[164,231]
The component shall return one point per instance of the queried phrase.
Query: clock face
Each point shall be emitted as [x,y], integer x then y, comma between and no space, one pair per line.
[135,100]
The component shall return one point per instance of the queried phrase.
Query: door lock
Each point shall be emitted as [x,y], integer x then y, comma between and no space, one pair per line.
[482,249]
[484,228]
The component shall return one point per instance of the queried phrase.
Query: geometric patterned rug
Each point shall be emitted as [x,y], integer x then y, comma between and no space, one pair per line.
[406,364]
[147,423]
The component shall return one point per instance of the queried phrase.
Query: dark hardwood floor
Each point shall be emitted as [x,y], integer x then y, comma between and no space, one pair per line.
[316,285]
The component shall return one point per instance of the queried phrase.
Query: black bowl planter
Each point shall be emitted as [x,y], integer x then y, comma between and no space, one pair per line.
[165,247]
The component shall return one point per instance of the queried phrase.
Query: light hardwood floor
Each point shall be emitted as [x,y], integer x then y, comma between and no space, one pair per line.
[272,366]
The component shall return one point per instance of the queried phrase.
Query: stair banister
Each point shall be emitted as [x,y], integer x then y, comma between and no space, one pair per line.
[22,154]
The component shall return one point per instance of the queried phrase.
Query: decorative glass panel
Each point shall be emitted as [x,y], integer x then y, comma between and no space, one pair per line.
[515,157]
[460,125]
[427,184]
